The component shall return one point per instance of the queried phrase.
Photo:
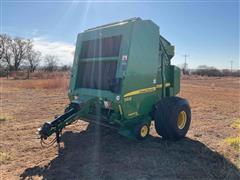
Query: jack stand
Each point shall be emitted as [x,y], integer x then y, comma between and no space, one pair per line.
[58,140]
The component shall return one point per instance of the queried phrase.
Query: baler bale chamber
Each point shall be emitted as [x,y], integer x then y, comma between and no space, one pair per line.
[122,78]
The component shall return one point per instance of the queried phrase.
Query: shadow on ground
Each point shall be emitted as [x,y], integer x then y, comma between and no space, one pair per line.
[99,153]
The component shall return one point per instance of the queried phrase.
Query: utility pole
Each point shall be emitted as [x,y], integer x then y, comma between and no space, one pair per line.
[231,62]
[185,63]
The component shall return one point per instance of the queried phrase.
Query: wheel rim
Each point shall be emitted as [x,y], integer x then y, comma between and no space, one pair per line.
[182,119]
[144,131]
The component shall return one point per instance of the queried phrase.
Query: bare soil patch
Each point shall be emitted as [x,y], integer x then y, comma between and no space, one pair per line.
[210,151]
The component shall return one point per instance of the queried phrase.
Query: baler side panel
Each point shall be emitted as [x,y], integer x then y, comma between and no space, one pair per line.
[142,70]
[176,73]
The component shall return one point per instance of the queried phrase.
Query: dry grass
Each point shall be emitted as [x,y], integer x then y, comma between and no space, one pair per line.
[3,158]
[234,142]
[21,75]
[4,117]
[236,124]
[48,75]
[54,83]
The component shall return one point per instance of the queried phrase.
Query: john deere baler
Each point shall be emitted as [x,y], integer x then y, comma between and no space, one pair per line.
[122,78]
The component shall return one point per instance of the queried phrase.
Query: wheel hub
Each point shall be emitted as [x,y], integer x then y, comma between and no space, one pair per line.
[182,119]
[144,131]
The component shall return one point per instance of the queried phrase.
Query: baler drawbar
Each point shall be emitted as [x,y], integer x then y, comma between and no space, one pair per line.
[71,114]
[60,122]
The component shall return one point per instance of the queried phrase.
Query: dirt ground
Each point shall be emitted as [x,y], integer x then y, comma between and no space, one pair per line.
[210,150]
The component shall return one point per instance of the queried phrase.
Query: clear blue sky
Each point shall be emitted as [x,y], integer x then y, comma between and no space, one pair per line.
[207,31]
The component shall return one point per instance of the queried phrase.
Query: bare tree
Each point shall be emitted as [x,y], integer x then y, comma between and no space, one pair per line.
[33,58]
[5,51]
[50,63]
[19,49]
[2,46]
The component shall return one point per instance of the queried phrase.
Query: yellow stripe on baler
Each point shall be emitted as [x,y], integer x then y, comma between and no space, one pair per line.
[145,90]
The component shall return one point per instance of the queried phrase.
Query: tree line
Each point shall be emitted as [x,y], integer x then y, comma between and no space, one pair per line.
[19,53]
[204,70]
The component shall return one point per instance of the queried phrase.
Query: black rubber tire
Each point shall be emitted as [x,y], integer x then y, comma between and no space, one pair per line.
[166,116]
[138,128]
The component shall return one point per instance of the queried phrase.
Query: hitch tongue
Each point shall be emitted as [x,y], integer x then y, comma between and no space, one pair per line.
[72,112]
[58,124]
[44,130]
